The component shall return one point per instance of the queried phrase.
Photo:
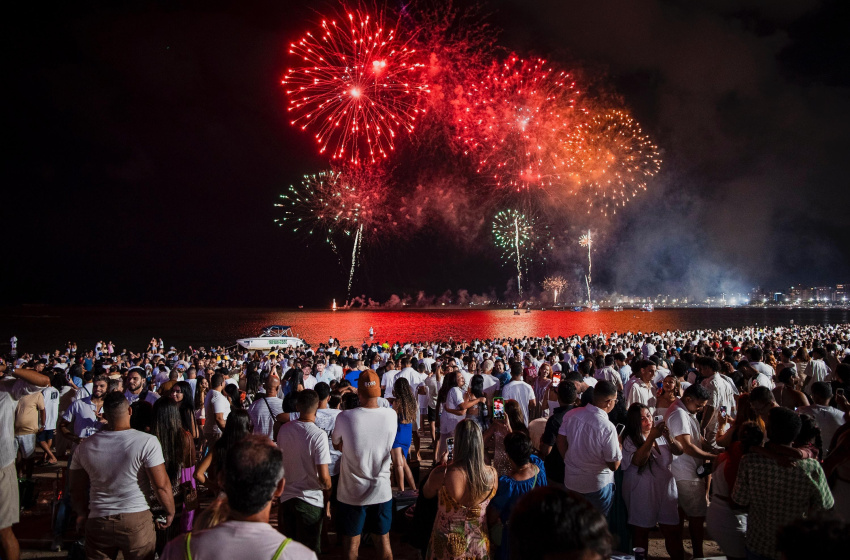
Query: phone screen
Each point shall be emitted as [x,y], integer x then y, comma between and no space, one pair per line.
[723,412]
[450,446]
[620,428]
[498,408]
[839,392]
[556,380]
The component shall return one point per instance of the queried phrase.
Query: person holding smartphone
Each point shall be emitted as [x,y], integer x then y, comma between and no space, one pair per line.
[649,488]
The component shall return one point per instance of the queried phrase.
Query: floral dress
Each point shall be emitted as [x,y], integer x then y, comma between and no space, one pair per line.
[460,531]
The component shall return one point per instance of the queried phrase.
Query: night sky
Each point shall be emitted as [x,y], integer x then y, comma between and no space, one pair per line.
[148,141]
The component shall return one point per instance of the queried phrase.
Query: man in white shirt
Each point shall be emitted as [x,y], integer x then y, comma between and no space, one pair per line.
[688,468]
[216,409]
[767,377]
[605,371]
[326,420]
[720,397]
[254,463]
[389,379]
[520,391]
[828,418]
[641,389]
[365,437]
[106,491]
[816,370]
[136,387]
[591,448]
[12,388]
[308,480]
[624,369]
[266,408]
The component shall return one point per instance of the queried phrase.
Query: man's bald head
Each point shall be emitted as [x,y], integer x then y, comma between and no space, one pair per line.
[272,383]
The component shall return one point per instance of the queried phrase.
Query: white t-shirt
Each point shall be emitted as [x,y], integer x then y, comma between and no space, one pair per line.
[84,417]
[387,382]
[263,415]
[591,443]
[115,463]
[215,403]
[305,446]
[309,382]
[415,379]
[521,392]
[326,420]
[828,419]
[491,385]
[449,421]
[679,421]
[642,393]
[237,539]
[51,407]
[151,397]
[367,436]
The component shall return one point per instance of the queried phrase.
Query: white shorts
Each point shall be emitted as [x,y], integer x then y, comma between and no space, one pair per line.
[26,445]
[10,512]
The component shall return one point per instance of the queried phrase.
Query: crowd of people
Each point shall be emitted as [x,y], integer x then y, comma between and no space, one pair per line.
[567,447]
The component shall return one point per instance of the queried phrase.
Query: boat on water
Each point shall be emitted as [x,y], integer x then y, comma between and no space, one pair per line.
[594,307]
[273,336]
[648,308]
[578,308]
[618,308]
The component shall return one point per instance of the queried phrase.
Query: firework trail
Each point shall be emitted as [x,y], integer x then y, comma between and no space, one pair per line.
[355,253]
[587,241]
[611,159]
[556,285]
[514,233]
[357,84]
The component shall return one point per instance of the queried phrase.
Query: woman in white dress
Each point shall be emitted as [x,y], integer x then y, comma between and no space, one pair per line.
[649,488]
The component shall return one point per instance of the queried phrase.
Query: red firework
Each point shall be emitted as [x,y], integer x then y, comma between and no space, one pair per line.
[516,123]
[356,86]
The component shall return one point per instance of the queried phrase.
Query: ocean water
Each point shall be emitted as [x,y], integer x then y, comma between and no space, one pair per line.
[45,328]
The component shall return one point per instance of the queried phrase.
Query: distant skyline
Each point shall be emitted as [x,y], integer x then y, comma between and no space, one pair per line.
[151,140]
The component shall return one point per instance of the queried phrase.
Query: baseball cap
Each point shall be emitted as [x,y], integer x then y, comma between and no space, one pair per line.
[369,384]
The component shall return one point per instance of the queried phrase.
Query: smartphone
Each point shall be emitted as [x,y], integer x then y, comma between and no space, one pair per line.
[658,418]
[450,446]
[556,379]
[660,384]
[620,428]
[161,520]
[498,408]
[839,392]
[723,411]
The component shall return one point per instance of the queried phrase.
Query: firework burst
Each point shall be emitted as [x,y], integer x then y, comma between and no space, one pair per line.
[586,240]
[554,284]
[515,234]
[356,86]
[611,159]
[516,123]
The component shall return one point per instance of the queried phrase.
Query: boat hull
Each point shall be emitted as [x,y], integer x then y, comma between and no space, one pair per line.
[269,342]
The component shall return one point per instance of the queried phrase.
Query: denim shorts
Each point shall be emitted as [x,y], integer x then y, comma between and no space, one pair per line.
[352,521]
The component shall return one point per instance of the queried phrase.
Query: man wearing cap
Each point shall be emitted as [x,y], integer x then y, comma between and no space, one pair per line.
[365,437]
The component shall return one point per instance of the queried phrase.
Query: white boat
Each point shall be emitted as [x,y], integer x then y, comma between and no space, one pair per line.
[273,336]
[648,308]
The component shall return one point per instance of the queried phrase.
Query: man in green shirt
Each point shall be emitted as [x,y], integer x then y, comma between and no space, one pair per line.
[778,494]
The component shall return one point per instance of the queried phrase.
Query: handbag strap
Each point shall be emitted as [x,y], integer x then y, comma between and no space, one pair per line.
[266,400]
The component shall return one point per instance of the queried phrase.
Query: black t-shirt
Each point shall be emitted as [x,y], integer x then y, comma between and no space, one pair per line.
[554,462]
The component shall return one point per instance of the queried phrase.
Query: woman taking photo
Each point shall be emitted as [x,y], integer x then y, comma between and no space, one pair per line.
[479,412]
[541,390]
[526,473]
[464,488]
[649,488]
[451,406]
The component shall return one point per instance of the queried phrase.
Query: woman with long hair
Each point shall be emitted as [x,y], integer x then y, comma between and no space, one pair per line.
[448,401]
[201,388]
[526,473]
[671,390]
[252,387]
[405,407]
[464,488]
[181,393]
[541,389]
[480,412]
[234,395]
[238,426]
[514,421]
[178,454]
[293,381]
[649,488]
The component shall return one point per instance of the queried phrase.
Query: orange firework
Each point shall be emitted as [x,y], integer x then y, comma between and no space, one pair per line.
[356,86]
[611,159]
